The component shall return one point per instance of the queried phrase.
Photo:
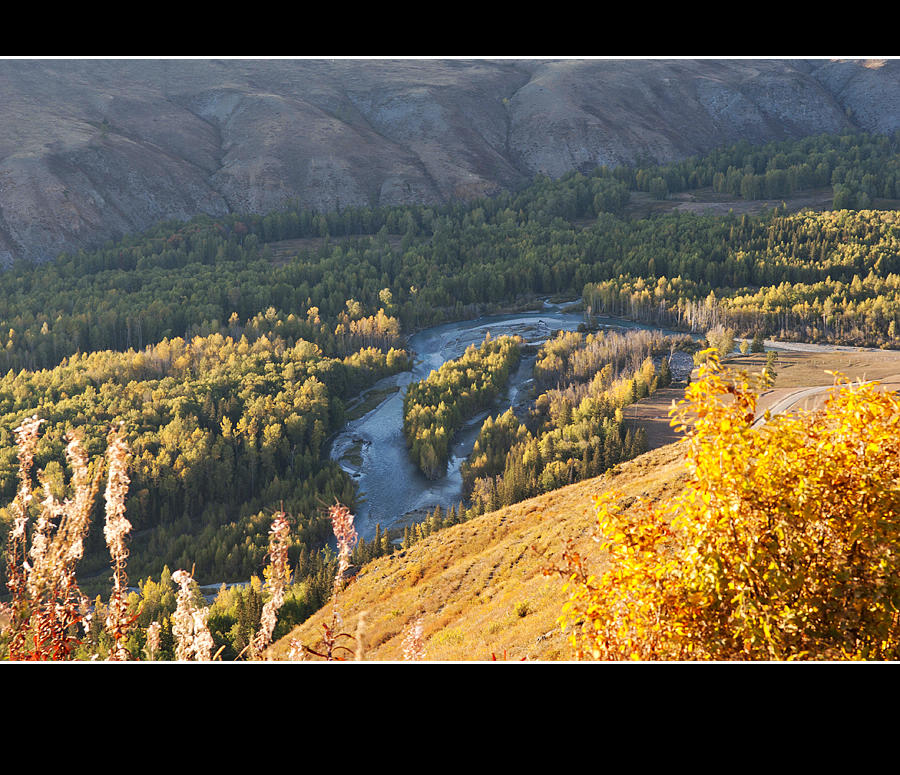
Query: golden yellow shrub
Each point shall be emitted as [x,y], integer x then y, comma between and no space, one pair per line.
[784,544]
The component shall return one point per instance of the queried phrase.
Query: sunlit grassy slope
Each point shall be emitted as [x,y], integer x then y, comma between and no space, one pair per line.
[479,586]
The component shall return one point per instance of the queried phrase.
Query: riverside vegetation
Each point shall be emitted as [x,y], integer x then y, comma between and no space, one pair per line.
[577,428]
[437,406]
[225,363]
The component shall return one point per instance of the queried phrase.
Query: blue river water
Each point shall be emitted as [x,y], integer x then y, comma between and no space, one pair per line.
[392,490]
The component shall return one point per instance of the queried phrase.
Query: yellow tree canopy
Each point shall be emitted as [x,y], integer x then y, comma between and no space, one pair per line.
[784,543]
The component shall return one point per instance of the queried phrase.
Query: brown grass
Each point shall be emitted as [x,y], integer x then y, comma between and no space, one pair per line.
[479,586]
[803,369]
[796,371]
[652,414]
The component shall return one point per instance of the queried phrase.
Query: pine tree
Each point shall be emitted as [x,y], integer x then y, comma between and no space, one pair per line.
[757,345]
[639,443]
[771,358]
[376,541]
[242,628]
[166,641]
[612,447]
[665,373]
[597,465]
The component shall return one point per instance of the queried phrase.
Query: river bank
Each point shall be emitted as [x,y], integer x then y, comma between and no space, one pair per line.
[371,448]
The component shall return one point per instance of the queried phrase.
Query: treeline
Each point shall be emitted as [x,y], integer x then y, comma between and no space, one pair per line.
[825,277]
[222,432]
[576,430]
[574,358]
[436,407]
[859,168]
[439,263]
[214,275]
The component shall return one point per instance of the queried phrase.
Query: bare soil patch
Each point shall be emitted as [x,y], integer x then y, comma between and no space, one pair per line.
[805,369]
[653,415]
[798,372]
[705,201]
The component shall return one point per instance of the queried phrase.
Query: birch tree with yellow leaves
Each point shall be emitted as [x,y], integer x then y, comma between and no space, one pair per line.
[784,543]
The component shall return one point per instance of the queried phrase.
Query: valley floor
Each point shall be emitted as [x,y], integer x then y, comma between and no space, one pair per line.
[802,382]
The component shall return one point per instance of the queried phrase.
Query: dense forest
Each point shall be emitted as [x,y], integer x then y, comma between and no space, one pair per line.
[824,277]
[212,276]
[220,431]
[227,349]
[441,263]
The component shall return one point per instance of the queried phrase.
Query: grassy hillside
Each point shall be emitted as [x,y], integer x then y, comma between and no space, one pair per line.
[479,586]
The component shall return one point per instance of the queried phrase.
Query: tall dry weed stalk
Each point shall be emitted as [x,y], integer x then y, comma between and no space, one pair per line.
[193,640]
[414,642]
[47,604]
[346,535]
[278,578]
[116,531]
[153,643]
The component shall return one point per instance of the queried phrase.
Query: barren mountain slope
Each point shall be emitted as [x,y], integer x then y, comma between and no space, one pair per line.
[93,149]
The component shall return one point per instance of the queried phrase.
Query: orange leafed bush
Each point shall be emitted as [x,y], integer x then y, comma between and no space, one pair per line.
[784,543]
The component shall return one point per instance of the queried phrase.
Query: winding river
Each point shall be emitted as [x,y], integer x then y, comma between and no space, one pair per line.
[372,449]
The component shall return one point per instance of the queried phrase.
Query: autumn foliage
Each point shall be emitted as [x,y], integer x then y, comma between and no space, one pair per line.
[784,543]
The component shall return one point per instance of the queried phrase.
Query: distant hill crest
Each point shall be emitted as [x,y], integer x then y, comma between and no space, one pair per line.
[91,150]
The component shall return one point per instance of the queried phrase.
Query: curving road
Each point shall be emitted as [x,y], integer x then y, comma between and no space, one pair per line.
[788,402]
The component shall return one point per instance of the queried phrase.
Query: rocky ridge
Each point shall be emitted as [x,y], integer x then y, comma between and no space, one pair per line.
[91,150]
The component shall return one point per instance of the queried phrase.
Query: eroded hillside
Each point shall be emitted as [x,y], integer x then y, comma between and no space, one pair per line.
[95,149]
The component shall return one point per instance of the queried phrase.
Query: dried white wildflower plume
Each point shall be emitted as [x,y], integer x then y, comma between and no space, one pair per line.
[360,637]
[41,567]
[297,653]
[345,533]
[115,531]
[117,526]
[414,643]
[87,614]
[55,554]
[192,637]
[6,617]
[278,577]
[42,581]
[26,441]
[78,510]
[153,632]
